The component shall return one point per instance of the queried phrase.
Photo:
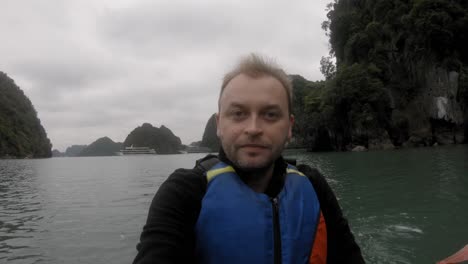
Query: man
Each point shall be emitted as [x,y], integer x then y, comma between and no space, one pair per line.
[248,205]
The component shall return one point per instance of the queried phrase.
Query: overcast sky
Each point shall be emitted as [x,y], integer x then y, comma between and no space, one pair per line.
[95,68]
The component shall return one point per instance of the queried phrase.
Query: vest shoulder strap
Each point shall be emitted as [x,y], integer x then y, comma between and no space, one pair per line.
[314,175]
[207,162]
[291,161]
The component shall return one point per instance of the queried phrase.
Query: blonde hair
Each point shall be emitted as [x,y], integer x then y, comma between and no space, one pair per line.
[256,66]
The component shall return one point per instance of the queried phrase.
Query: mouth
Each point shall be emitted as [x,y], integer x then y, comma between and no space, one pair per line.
[254,146]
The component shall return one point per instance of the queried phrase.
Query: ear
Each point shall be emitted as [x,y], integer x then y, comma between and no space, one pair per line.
[291,124]
[217,125]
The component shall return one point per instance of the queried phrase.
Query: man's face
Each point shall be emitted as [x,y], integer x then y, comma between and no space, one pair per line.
[253,122]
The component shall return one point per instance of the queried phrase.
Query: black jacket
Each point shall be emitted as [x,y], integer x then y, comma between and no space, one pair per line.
[168,236]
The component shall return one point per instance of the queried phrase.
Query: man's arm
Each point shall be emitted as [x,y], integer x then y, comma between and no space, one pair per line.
[341,246]
[168,236]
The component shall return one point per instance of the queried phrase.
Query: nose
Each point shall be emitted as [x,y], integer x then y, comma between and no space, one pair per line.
[253,126]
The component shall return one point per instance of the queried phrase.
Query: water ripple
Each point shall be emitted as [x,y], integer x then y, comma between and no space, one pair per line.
[405,206]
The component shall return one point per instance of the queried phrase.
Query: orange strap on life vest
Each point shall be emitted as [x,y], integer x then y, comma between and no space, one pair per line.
[319,249]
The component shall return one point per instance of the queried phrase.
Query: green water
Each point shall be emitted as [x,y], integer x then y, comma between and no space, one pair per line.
[404,206]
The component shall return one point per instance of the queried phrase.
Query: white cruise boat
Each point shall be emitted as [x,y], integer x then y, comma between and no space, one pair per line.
[137,151]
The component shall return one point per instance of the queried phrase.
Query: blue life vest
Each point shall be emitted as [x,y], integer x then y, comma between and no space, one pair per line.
[236,224]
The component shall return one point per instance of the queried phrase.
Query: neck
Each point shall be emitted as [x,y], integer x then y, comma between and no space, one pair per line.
[258,180]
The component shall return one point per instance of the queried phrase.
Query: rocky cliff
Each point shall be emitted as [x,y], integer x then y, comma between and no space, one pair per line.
[210,139]
[400,79]
[21,132]
[436,113]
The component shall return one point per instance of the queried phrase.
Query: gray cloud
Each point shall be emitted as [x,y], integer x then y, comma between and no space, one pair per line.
[101,68]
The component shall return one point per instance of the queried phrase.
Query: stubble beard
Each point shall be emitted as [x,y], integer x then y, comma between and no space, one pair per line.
[242,162]
[248,167]
[251,165]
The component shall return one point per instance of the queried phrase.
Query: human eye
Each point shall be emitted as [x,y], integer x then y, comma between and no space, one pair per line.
[272,115]
[237,114]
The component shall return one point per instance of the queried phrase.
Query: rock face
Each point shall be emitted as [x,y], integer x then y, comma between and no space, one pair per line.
[21,132]
[436,113]
[101,147]
[210,139]
[401,77]
[161,139]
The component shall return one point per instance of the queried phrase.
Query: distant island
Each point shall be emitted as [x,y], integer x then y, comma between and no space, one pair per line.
[74,150]
[101,147]
[21,132]
[162,140]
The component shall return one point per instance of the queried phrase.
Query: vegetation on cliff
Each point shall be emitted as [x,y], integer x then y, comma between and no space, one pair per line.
[101,147]
[161,139]
[401,76]
[21,132]
[301,91]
